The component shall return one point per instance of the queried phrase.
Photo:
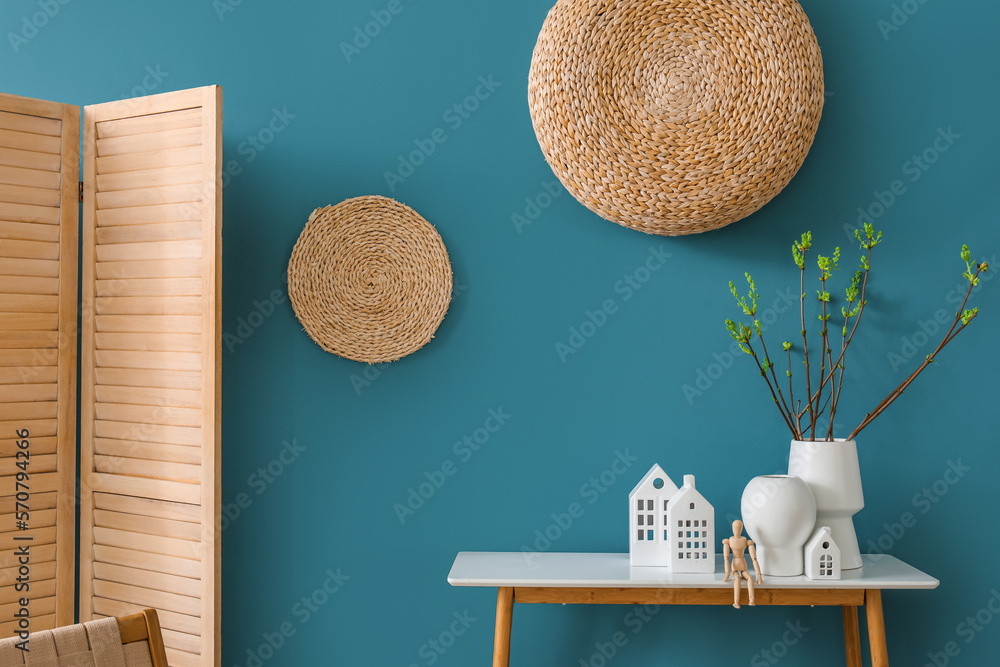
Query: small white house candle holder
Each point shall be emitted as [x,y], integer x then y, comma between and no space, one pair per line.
[822,555]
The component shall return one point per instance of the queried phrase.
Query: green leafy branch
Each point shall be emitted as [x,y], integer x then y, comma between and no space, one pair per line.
[963,317]
[743,334]
[831,372]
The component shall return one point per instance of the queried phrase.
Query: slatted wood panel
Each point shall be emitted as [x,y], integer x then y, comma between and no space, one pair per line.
[150,364]
[39,173]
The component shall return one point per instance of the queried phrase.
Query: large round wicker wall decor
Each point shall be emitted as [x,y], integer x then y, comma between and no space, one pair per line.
[675,116]
[369,279]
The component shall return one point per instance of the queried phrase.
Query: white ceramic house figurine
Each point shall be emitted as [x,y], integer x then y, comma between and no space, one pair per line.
[647,513]
[822,555]
[691,526]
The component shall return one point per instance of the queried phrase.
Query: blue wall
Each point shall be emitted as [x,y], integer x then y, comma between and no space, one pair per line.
[361,444]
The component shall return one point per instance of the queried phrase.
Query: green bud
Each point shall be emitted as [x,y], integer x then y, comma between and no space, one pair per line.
[968,315]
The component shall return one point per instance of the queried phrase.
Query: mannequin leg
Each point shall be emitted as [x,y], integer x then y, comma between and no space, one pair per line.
[749,579]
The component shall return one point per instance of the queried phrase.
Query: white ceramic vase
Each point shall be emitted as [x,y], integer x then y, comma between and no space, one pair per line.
[779,515]
[832,472]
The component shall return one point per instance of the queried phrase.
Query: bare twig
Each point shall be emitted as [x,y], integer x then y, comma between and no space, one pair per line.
[799,252]
[791,396]
[774,397]
[872,239]
[964,317]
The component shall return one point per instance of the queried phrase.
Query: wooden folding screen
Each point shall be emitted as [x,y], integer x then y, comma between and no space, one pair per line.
[150,363]
[149,360]
[39,172]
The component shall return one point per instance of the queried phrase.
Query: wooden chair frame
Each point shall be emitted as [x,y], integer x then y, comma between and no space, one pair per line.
[144,626]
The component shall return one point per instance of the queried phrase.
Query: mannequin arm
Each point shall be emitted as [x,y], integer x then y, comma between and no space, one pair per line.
[725,557]
[753,556]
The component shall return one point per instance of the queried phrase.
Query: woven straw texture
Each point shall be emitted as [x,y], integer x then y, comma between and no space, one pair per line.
[675,116]
[96,643]
[370,279]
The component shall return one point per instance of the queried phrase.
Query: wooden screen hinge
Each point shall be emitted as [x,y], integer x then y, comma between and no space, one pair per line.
[81,192]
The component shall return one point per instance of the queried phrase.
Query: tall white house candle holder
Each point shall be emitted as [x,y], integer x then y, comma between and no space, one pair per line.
[648,503]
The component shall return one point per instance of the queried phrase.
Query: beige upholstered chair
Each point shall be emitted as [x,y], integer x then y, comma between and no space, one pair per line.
[130,641]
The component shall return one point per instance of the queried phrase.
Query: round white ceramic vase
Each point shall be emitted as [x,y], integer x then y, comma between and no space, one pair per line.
[832,472]
[779,515]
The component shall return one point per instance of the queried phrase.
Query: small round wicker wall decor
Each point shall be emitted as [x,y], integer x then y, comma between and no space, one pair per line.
[675,116]
[369,279]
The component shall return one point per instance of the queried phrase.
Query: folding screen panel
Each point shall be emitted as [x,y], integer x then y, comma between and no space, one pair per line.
[39,173]
[150,362]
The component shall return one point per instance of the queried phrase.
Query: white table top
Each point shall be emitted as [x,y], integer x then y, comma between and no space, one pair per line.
[593,570]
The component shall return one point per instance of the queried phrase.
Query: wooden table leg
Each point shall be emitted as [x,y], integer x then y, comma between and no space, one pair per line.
[501,637]
[876,628]
[852,636]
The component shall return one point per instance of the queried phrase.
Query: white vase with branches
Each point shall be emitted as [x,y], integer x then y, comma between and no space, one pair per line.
[828,464]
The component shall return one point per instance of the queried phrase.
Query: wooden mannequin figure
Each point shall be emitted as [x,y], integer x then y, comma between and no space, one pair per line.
[738,545]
